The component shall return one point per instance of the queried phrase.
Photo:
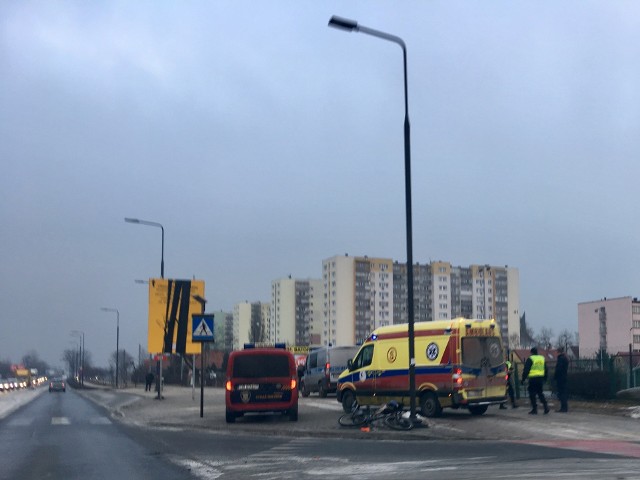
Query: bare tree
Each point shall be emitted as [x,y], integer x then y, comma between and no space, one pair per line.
[545,338]
[565,339]
[528,340]
[71,358]
[33,360]
[514,341]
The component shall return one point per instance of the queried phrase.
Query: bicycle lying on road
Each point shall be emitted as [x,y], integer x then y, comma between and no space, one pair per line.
[390,413]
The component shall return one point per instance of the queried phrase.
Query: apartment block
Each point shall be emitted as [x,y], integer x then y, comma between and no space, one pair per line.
[608,325]
[250,323]
[222,330]
[296,311]
[363,293]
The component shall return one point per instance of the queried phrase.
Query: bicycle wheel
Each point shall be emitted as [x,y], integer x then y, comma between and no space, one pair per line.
[398,422]
[354,419]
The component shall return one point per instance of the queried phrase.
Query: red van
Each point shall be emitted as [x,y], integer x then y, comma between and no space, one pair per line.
[261,380]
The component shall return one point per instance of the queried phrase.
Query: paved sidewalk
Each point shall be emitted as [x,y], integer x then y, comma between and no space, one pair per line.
[318,417]
[180,408]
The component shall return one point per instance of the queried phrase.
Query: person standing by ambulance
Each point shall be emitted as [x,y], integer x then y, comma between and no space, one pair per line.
[510,389]
[535,370]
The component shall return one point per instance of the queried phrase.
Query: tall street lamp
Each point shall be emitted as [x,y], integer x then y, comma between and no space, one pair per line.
[80,332]
[152,224]
[159,363]
[352,26]
[105,309]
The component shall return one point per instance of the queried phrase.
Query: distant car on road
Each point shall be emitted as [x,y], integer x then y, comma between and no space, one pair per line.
[57,384]
[323,367]
[13,383]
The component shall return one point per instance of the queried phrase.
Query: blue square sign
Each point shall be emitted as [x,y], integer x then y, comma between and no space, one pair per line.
[202,325]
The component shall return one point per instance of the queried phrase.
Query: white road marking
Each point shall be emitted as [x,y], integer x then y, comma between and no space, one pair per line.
[20,422]
[322,405]
[60,421]
[100,421]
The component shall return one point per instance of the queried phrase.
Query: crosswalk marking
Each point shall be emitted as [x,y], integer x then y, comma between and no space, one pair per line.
[27,421]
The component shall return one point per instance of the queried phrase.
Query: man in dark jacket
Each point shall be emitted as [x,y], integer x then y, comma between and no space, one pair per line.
[560,376]
[535,369]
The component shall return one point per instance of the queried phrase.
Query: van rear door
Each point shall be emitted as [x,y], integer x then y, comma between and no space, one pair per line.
[482,357]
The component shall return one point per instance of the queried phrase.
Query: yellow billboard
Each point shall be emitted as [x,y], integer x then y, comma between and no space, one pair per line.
[171,304]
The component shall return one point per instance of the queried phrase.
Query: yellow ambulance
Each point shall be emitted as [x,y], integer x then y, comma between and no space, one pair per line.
[460,363]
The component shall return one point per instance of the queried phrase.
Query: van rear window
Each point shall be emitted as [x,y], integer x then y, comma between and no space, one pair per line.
[480,352]
[256,366]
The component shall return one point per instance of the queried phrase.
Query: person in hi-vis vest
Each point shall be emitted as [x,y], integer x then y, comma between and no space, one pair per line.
[535,369]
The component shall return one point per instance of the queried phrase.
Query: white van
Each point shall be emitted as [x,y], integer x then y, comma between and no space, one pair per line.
[323,367]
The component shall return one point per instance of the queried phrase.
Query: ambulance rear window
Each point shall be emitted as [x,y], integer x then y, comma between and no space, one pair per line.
[258,366]
[481,352]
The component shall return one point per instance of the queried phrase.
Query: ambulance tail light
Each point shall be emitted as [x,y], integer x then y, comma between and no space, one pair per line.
[457,376]
[294,383]
[228,386]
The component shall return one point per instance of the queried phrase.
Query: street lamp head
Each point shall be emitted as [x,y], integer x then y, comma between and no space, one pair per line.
[199,299]
[131,220]
[343,24]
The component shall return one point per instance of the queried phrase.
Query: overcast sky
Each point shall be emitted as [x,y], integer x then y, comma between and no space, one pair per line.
[265,142]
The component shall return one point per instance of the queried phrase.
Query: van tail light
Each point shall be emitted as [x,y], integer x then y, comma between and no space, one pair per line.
[294,383]
[228,385]
[327,368]
[457,376]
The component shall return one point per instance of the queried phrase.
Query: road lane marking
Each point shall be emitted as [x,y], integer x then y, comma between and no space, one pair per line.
[322,405]
[100,421]
[20,422]
[60,421]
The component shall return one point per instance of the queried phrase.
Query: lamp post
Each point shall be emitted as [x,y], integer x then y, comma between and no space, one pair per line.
[80,332]
[105,309]
[152,224]
[352,26]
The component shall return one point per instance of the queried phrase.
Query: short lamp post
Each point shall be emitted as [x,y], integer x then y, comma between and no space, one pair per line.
[106,309]
[352,26]
[203,303]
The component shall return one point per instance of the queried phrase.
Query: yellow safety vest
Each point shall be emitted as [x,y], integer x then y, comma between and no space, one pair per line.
[537,366]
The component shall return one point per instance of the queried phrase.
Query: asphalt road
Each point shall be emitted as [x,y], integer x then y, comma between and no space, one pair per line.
[129,434]
[64,436]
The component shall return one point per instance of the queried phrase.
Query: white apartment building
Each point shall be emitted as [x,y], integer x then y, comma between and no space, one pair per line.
[250,321]
[362,293]
[358,298]
[608,325]
[296,311]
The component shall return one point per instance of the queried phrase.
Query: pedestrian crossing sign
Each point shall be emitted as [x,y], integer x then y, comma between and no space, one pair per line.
[202,325]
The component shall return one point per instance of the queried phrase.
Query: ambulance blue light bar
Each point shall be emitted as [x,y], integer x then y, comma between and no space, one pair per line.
[264,345]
